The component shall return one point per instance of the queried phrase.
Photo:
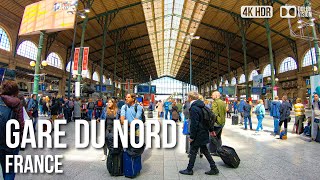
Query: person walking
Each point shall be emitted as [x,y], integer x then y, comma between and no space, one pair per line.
[284,114]
[109,114]
[219,108]
[199,136]
[299,117]
[275,113]
[247,115]
[260,111]
[160,109]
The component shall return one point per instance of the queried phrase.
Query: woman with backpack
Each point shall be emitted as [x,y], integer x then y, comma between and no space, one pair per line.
[109,114]
[260,111]
[10,108]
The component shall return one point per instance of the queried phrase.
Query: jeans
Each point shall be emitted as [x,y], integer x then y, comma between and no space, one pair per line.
[259,126]
[276,125]
[170,114]
[193,155]
[285,125]
[41,109]
[11,174]
[90,111]
[35,121]
[98,113]
[245,122]
[166,113]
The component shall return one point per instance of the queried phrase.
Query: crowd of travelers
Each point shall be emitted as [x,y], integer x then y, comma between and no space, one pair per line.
[192,113]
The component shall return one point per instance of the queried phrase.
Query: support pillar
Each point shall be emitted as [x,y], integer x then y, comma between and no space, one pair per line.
[105,25]
[62,86]
[38,62]
[243,26]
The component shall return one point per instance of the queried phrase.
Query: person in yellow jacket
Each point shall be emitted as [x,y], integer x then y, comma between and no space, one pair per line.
[300,116]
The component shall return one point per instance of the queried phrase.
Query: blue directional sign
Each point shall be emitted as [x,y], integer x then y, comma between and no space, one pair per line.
[144,89]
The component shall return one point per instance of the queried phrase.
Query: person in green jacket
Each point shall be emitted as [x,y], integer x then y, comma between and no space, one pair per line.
[179,105]
[219,108]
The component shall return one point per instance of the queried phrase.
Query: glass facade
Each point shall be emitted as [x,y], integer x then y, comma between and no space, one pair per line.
[167,86]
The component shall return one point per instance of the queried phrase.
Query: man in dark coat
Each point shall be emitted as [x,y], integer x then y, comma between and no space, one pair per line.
[199,135]
[284,113]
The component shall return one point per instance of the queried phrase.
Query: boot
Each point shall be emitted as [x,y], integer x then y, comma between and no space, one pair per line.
[186,172]
[213,171]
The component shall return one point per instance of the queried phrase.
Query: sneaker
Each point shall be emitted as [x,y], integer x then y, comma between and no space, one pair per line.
[213,171]
[104,157]
[186,172]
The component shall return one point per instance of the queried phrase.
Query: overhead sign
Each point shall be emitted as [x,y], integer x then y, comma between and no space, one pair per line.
[257,80]
[256,90]
[144,89]
[49,16]
[227,90]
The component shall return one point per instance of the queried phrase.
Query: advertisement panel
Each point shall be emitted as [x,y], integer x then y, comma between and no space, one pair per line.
[49,16]
[85,60]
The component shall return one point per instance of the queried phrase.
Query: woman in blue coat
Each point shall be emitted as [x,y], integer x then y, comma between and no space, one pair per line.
[260,112]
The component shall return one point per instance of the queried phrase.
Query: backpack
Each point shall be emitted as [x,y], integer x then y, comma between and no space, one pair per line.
[100,103]
[257,111]
[6,114]
[90,105]
[143,117]
[209,118]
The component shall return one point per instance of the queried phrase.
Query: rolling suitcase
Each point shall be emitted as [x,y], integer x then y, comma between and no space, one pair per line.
[131,165]
[235,120]
[115,164]
[150,114]
[229,156]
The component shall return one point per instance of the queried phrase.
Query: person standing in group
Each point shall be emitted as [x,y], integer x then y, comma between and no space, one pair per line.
[284,113]
[109,114]
[179,105]
[10,108]
[235,107]
[299,117]
[167,105]
[275,113]
[260,111]
[99,107]
[77,109]
[241,111]
[199,136]
[229,109]
[160,108]
[33,108]
[219,108]
[54,108]
[90,108]
[315,116]
[175,114]
[247,115]
[66,110]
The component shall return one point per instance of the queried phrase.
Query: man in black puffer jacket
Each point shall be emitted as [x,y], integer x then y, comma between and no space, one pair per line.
[199,135]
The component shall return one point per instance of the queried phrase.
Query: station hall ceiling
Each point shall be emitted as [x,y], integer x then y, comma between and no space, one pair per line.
[148,37]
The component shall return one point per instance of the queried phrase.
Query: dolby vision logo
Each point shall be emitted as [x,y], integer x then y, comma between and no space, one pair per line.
[288,11]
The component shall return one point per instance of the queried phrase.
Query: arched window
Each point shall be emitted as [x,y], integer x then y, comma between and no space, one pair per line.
[104,79]
[267,71]
[54,60]
[253,73]
[68,68]
[95,77]
[242,79]
[4,40]
[233,81]
[28,49]
[309,56]
[288,64]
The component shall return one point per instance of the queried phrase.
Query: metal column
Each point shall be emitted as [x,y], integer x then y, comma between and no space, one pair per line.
[84,27]
[38,62]
[103,50]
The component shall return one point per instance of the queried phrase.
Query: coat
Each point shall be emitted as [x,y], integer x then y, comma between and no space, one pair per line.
[284,110]
[198,133]
[247,110]
[159,107]
[175,114]
[77,109]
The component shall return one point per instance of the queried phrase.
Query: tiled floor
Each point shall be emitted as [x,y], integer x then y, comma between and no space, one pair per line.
[262,157]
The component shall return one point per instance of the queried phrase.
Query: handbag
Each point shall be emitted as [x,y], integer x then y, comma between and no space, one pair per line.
[185,130]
